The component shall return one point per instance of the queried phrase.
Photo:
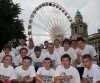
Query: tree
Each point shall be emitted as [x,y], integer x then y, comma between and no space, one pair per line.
[11,26]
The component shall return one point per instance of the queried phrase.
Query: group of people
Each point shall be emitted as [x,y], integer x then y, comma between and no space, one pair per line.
[63,61]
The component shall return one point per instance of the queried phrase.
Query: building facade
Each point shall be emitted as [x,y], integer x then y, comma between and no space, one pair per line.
[79,29]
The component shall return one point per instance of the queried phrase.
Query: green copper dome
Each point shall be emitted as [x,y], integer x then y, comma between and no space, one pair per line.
[78,14]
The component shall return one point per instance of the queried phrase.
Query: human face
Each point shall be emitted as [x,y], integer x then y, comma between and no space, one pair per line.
[42,46]
[60,42]
[6,51]
[7,61]
[56,43]
[10,43]
[51,48]
[87,62]
[80,44]
[66,46]
[22,42]
[37,53]
[46,44]
[74,44]
[31,44]
[26,63]
[47,63]
[23,53]
[65,62]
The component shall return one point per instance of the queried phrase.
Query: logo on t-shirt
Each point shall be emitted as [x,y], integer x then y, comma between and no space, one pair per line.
[47,79]
[26,77]
[65,80]
[4,77]
[90,79]
[53,64]
[38,64]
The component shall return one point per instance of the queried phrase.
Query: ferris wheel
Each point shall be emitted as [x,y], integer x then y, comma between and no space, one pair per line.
[50,20]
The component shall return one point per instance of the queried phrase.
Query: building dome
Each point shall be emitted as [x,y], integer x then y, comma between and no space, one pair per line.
[78,14]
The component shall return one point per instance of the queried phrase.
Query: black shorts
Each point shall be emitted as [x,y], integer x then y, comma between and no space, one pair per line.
[80,70]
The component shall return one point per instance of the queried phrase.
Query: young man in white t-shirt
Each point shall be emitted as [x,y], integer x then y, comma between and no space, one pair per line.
[68,50]
[31,48]
[19,58]
[7,51]
[24,73]
[6,69]
[22,45]
[66,73]
[37,57]
[85,49]
[53,55]
[10,43]
[46,47]
[91,72]
[57,46]
[45,74]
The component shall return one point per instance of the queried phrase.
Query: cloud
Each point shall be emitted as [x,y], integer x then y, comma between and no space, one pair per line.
[89,9]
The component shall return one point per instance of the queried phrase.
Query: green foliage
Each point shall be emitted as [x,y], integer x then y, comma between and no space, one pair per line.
[11,27]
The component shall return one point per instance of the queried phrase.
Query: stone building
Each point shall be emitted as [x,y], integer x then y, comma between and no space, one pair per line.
[79,29]
[94,40]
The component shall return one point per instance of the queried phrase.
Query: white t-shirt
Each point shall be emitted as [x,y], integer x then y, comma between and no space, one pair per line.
[6,73]
[31,51]
[58,49]
[13,50]
[46,75]
[44,50]
[93,74]
[70,52]
[18,60]
[88,50]
[19,47]
[61,71]
[55,57]
[38,61]
[2,54]
[30,72]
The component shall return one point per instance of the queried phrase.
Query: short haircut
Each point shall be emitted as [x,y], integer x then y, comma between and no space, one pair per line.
[46,42]
[56,40]
[66,56]
[7,47]
[7,56]
[80,39]
[27,57]
[23,49]
[73,40]
[87,56]
[66,41]
[47,58]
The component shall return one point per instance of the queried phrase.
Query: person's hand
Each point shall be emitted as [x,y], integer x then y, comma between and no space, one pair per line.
[2,80]
[42,82]
[79,54]
[20,79]
[70,77]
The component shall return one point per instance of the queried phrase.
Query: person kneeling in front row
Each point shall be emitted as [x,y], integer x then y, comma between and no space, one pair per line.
[66,73]
[91,72]
[24,73]
[45,74]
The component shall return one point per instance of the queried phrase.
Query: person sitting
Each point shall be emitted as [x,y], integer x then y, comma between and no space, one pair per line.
[91,72]
[45,74]
[6,69]
[24,73]
[65,73]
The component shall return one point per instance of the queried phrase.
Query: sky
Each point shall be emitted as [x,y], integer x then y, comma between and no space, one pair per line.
[90,10]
